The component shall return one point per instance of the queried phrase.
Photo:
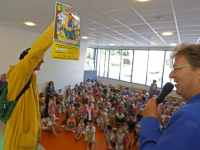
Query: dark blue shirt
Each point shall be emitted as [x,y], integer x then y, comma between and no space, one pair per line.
[181,133]
[50,90]
[2,83]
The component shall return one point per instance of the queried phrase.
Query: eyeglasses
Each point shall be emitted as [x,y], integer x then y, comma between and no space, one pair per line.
[176,68]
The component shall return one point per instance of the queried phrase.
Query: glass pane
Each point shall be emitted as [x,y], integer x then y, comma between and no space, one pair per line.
[168,68]
[102,62]
[90,57]
[126,67]
[114,64]
[155,67]
[98,61]
[106,64]
[140,66]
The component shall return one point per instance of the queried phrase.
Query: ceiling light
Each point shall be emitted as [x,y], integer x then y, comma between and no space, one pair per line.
[173,44]
[30,23]
[158,18]
[111,44]
[84,37]
[143,0]
[167,33]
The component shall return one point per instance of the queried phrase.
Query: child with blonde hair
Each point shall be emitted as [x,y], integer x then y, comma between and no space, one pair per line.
[52,125]
[120,139]
[81,128]
[111,117]
[71,123]
[127,137]
[103,122]
[95,112]
[101,104]
[61,109]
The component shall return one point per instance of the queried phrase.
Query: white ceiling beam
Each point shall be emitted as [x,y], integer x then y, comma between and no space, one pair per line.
[198,40]
[175,20]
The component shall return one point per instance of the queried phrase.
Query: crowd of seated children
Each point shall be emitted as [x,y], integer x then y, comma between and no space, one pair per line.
[116,112]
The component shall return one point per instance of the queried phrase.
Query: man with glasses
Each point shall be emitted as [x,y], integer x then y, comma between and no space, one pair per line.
[183,129]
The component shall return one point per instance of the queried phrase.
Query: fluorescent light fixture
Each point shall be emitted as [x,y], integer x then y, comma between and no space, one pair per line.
[143,0]
[84,37]
[152,43]
[30,23]
[111,44]
[173,44]
[167,33]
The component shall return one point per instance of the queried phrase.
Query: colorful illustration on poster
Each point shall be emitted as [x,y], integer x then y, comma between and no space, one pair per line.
[66,33]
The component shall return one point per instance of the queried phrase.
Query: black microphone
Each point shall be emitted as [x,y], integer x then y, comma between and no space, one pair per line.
[167,88]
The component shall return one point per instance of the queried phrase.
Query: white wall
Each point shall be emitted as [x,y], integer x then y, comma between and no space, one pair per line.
[62,72]
[116,83]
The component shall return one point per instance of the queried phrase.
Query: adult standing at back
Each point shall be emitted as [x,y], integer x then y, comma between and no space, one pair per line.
[23,130]
[3,80]
[153,89]
[183,129]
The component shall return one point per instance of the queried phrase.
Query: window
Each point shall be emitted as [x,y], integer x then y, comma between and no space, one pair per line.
[98,61]
[114,64]
[155,67]
[167,68]
[106,63]
[137,66]
[90,57]
[102,62]
[126,66]
[140,66]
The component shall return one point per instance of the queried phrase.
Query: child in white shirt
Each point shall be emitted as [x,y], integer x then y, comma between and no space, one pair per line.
[51,125]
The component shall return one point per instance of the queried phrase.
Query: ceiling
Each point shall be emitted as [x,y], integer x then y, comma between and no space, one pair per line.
[120,22]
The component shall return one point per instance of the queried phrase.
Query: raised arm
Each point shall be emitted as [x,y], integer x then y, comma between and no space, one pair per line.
[35,54]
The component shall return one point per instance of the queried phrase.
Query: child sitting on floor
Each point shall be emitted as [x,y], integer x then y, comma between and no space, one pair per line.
[97,96]
[110,133]
[61,109]
[60,95]
[127,137]
[51,125]
[90,135]
[95,112]
[120,139]
[135,138]
[111,117]
[85,110]
[114,104]
[76,108]
[102,124]
[69,90]
[52,110]
[131,122]
[90,98]
[108,107]
[81,128]
[85,119]
[68,112]
[120,117]
[85,99]
[71,124]
[101,105]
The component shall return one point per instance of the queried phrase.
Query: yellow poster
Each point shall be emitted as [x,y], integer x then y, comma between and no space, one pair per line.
[66,39]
